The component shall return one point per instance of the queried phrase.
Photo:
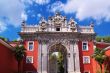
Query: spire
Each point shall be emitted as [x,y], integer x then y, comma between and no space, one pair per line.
[57,13]
[50,18]
[23,23]
[42,20]
[71,21]
[92,24]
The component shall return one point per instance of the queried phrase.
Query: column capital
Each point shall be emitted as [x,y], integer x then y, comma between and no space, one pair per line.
[41,41]
[72,41]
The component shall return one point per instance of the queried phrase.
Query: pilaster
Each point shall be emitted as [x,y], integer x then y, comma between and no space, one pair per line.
[71,58]
[39,57]
[77,62]
[44,57]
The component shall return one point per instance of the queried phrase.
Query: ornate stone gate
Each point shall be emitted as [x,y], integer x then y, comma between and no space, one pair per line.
[57,30]
[68,42]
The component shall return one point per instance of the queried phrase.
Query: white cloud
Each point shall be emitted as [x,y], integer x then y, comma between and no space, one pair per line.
[96,9]
[39,15]
[18,39]
[27,1]
[57,6]
[33,15]
[41,2]
[11,11]
[23,16]
[2,27]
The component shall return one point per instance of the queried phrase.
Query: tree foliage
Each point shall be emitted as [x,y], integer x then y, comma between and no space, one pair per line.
[3,38]
[60,60]
[19,53]
[105,39]
[15,40]
[99,56]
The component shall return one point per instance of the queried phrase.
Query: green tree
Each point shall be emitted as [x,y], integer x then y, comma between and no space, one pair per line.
[60,60]
[3,38]
[19,53]
[14,40]
[104,38]
[107,39]
[99,56]
[98,39]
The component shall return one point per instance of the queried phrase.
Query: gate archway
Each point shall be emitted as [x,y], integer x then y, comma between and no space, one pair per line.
[53,66]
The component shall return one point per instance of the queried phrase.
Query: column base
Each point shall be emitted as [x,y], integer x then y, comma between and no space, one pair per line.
[77,72]
[44,71]
[74,72]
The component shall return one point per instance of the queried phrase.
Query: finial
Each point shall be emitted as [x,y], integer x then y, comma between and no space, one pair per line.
[92,24]
[57,13]
[72,20]
[64,17]
[23,23]
[42,20]
[50,18]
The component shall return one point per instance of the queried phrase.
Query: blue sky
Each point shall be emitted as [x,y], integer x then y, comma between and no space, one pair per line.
[12,12]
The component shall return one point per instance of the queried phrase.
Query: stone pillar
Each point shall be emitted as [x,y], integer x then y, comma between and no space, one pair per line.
[76,55]
[70,58]
[48,61]
[39,57]
[44,57]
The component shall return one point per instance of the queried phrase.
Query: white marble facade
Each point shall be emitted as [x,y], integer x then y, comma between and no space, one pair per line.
[72,50]
[57,30]
[57,23]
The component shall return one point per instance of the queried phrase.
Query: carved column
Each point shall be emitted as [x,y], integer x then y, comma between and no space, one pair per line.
[44,56]
[76,54]
[39,57]
[70,58]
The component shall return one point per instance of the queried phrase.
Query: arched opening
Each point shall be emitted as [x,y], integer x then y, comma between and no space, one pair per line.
[57,59]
